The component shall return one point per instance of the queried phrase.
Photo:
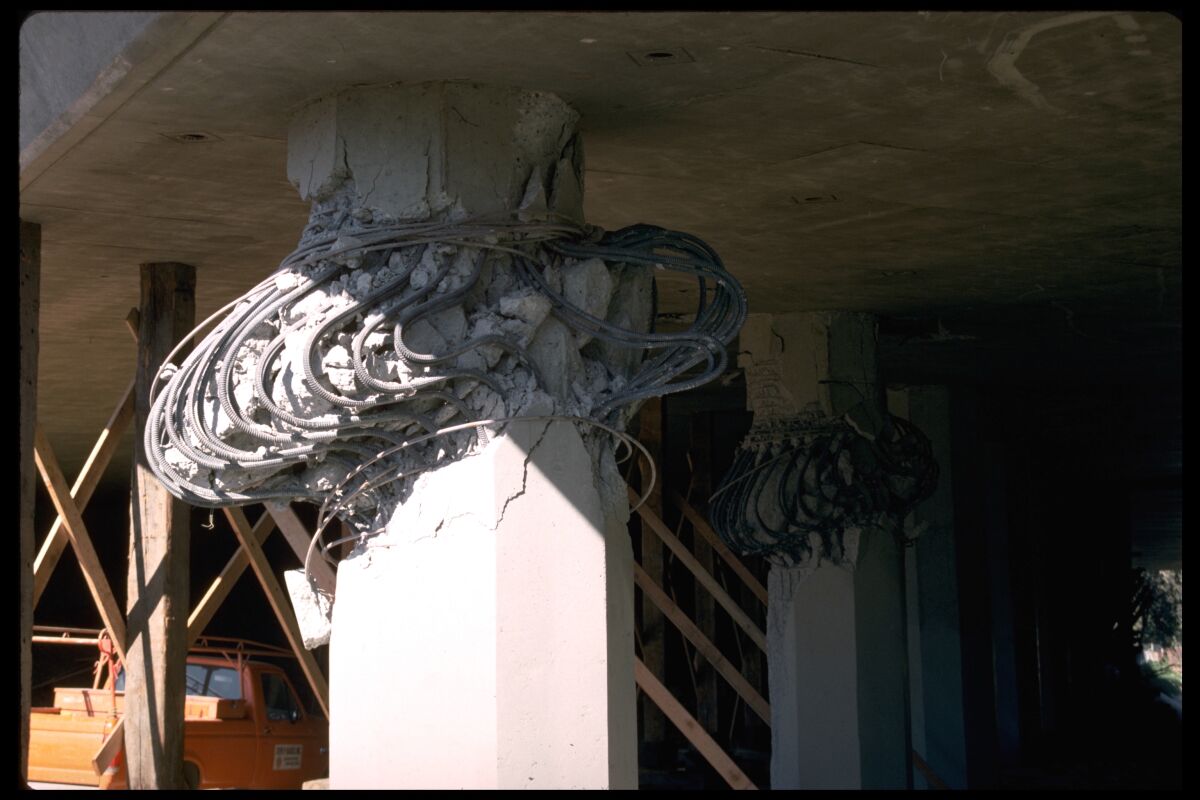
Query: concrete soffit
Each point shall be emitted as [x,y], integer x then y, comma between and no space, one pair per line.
[160,43]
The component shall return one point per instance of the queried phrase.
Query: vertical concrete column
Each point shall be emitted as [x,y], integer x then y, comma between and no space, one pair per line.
[485,639]
[28,295]
[931,572]
[158,598]
[836,636]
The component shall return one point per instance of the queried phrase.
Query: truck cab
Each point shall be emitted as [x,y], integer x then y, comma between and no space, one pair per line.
[244,726]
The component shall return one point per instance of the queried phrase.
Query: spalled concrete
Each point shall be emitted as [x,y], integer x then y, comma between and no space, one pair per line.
[419,296]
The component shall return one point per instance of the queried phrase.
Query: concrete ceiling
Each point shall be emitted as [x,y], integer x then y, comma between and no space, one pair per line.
[1003,188]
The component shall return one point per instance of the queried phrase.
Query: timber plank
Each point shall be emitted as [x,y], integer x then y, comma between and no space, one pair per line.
[81,492]
[701,525]
[702,643]
[690,728]
[740,618]
[299,538]
[112,745]
[89,562]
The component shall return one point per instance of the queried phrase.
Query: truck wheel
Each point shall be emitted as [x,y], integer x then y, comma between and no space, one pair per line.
[191,775]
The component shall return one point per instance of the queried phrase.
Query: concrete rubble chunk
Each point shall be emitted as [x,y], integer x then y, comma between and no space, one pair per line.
[314,609]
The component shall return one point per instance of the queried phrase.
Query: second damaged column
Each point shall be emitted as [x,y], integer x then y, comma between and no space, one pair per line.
[821,487]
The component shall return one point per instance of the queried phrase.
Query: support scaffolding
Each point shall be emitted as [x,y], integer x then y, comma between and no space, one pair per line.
[69,528]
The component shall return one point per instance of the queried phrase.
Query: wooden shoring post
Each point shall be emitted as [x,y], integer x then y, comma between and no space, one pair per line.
[224,583]
[81,541]
[298,539]
[702,527]
[650,434]
[740,618]
[28,298]
[690,728]
[724,666]
[158,591]
[279,604]
[81,492]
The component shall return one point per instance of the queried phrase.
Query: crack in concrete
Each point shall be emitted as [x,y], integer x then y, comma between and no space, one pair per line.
[464,119]
[524,475]
[374,182]
[340,143]
[782,342]
[807,54]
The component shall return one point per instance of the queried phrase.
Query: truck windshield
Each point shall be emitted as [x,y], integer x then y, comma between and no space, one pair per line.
[209,681]
[205,681]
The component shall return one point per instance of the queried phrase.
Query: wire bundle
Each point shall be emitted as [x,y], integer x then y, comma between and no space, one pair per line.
[798,486]
[317,371]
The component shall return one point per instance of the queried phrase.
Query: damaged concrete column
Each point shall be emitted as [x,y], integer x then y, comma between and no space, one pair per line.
[836,623]
[484,639]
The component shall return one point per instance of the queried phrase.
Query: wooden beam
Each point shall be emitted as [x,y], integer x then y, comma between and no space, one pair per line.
[133,321]
[702,643]
[279,604]
[112,745]
[223,585]
[701,526]
[159,543]
[89,562]
[28,299]
[690,728]
[740,618]
[81,492]
[927,771]
[299,538]
[751,591]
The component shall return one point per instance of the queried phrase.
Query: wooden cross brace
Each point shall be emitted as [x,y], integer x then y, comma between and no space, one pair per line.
[69,526]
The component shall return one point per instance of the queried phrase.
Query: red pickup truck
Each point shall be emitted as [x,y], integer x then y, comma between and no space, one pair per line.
[244,726]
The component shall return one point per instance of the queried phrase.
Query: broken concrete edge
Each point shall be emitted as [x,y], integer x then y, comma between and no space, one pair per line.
[362,135]
[133,63]
[313,608]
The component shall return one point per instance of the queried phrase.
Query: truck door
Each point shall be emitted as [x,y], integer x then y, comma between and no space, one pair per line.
[292,745]
[220,748]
